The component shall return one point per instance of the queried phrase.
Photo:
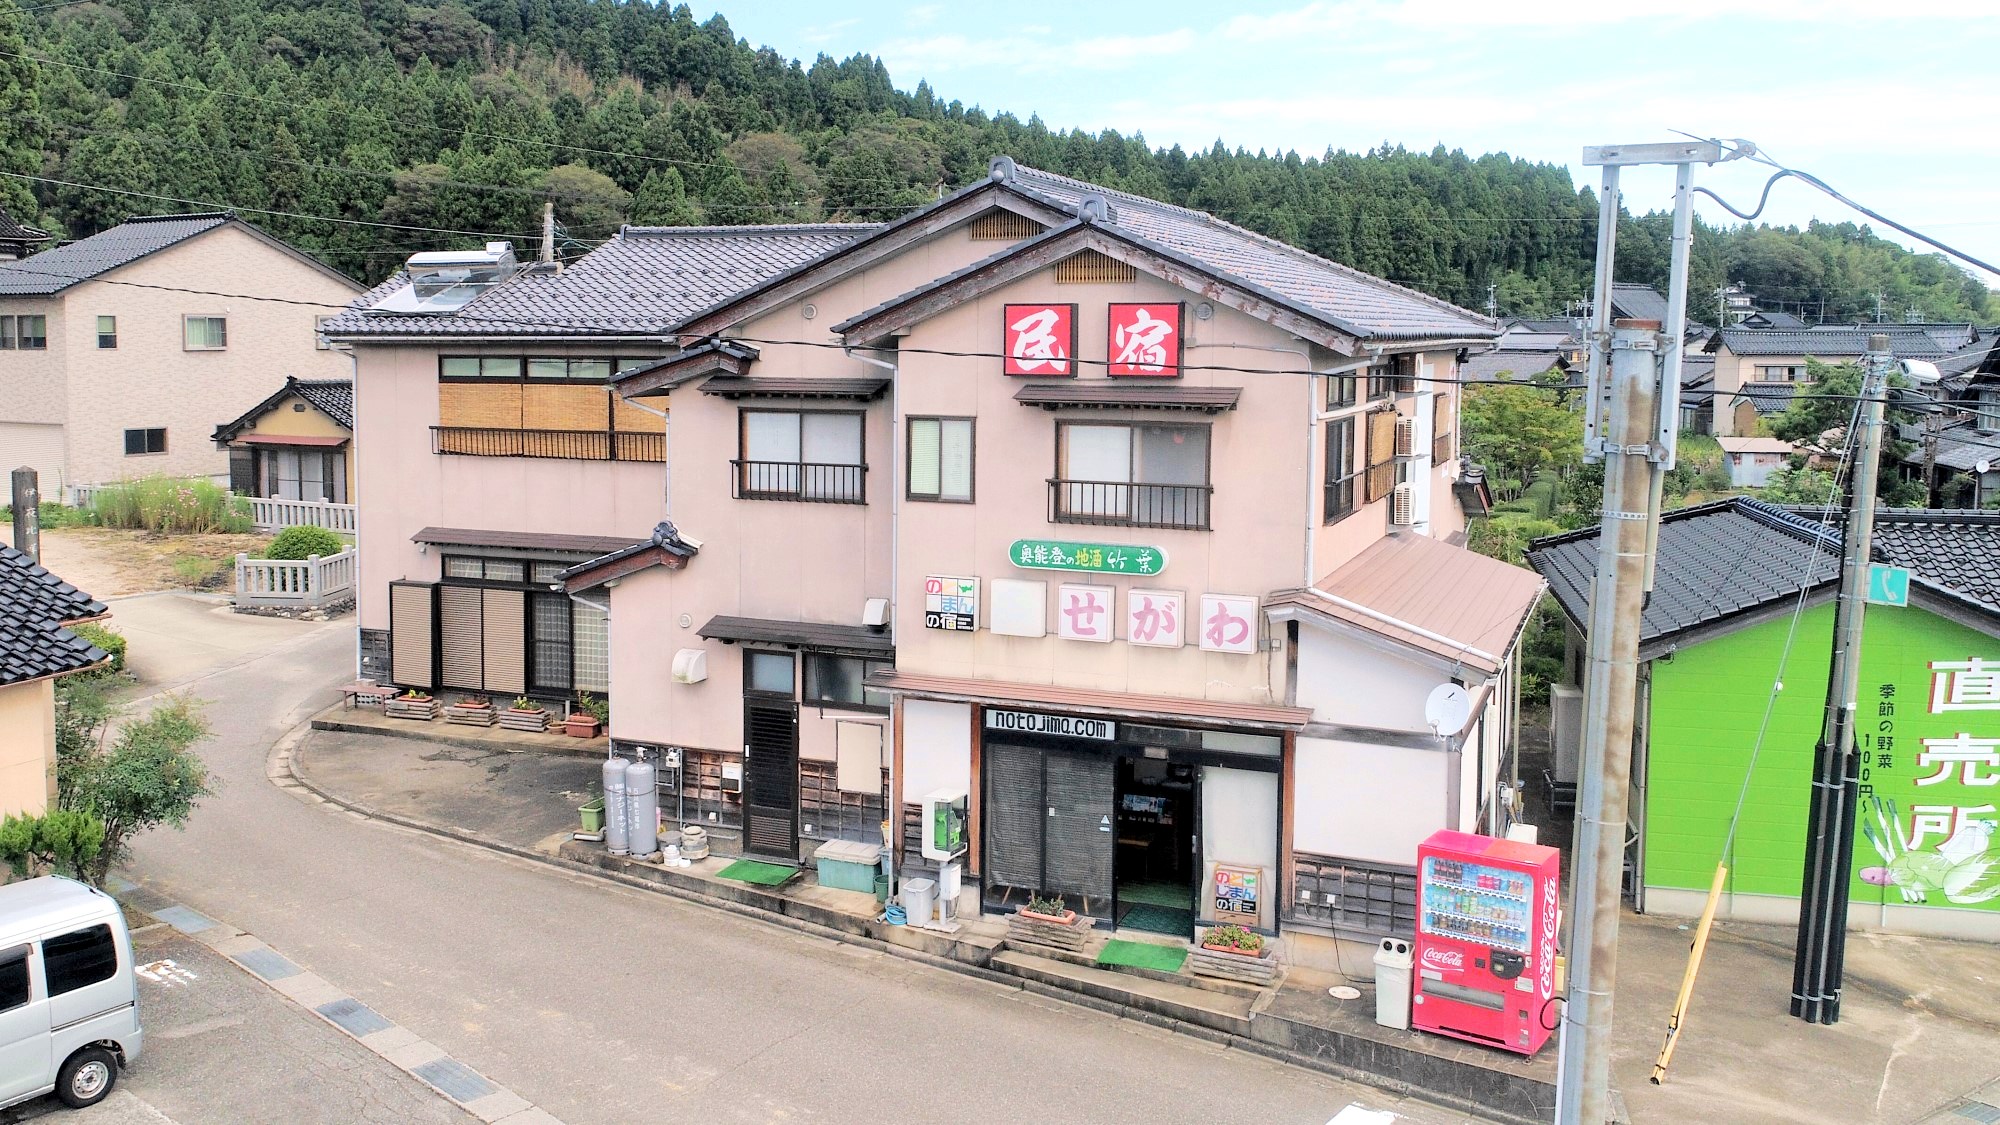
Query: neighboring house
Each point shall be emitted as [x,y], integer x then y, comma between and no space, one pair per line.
[298,444]
[17,239]
[1780,319]
[119,360]
[1962,436]
[1717,633]
[1752,460]
[991,498]
[1756,369]
[1517,367]
[36,647]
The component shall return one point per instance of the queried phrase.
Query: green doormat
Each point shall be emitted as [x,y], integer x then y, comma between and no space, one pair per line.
[1157,920]
[1158,894]
[1142,955]
[757,874]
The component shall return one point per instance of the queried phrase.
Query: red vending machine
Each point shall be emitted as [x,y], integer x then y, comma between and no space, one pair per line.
[1486,940]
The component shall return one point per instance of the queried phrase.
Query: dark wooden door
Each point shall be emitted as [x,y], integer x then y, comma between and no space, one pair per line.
[771,780]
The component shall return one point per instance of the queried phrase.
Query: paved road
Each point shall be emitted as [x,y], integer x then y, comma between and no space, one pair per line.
[602,1003]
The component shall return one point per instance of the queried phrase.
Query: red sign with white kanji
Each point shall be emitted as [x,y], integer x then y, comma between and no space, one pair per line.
[1040,340]
[1144,340]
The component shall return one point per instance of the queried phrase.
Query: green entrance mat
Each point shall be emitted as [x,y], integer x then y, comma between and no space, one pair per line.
[1158,894]
[1142,955]
[758,874]
[1177,922]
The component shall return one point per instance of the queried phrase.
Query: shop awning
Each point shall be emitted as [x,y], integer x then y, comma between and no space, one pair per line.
[1128,396]
[326,441]
[1090,701]
[737,386]
[592,545]
[799,634]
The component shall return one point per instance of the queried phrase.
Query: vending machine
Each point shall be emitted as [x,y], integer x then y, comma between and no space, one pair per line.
[1487,913]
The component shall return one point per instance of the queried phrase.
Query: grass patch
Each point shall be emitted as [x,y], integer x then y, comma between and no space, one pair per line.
[182,505]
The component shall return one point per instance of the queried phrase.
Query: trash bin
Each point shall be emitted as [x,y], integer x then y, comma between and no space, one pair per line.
[1392,984]
[919,896]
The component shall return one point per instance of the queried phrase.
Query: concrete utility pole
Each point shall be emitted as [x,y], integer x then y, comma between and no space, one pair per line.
[27,501]
[1821,956]
[548,230]
[1631,423]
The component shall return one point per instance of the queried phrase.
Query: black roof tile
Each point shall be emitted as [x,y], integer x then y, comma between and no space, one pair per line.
[53,271]
[34,605]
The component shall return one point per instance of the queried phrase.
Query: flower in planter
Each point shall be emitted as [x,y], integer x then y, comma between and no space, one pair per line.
[523,703]
[1052,906]
[1233,937]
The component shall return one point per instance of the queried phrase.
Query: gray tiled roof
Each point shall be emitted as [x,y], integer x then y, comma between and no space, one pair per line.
[1733,556]
[1715,560]
[14,230]
[1378,309]
[637,283]
[1697,369]
[1772,319]
[331,397]
[33,606]
[1767,398]
[53,271]
[1640,302]
[1829,343]
[1949,335]
[1498,367]
[1960,446]
[1978,355]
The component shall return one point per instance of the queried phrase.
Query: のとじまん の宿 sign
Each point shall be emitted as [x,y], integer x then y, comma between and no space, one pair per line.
[951,604]
[1096,558]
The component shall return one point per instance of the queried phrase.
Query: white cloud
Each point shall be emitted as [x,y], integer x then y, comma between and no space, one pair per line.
[923,15]
[1341,18]
[1039,54]
[826,33]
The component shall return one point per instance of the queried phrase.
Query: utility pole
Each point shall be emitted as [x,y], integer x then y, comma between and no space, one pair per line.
[1493,301]
[1821,956]
[548,230]
[1631,424]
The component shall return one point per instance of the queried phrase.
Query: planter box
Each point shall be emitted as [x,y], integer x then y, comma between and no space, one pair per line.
[1065,933]
[422,710]
[534,722]
[1229,964]
[470,714]
[580,728]
[593,815]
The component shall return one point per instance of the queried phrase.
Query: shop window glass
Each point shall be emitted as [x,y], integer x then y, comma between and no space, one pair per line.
[590,635]
[839,680]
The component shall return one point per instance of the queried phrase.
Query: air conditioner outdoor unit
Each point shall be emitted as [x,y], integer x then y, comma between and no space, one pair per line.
[1406,437]
[1401,506]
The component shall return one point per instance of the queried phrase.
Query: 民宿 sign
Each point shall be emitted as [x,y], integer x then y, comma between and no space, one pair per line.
[1096,558]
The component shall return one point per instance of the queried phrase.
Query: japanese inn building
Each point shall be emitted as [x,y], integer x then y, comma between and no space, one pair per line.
[1139,528]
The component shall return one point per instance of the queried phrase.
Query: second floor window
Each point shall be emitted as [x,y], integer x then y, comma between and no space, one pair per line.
[138,442]
[1341,469]
[1138,475]
[204,333]
[30,333]
[1341,391]
[107,331]
[941,459]
[801,455]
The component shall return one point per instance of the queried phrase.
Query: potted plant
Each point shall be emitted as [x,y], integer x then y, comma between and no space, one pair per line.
[592,812]
[473,710]
[1050,910]
[1230,952]
[412,704]
[1234,940]
[587,718]
[525,715]
[1046,923]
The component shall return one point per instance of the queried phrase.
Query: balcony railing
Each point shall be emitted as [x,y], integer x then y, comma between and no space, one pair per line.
[569,445]
[1120,504]
[801,480]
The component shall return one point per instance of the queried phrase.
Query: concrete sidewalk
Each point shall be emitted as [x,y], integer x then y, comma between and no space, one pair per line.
[1915,1038]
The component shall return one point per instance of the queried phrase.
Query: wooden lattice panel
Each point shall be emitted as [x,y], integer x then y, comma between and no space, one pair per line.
[1093,268]
[1003,226]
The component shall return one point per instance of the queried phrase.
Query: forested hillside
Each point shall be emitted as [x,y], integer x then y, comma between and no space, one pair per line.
[450,121]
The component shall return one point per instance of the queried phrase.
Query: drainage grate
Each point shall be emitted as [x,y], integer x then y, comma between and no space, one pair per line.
[1979,1111]
[267,964]
[459,1082]
[356,1018]
[184,920]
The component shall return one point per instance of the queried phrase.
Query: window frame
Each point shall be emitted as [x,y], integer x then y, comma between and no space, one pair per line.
[41,336]
[1330,512]
[1207,429]
[145,440]
[102,335]
[809,682]
[1062,486]
[1381,383]
[12,955]
[531,635]
[1342,391]
[799,492]
[10,339]
[752,654]
[187,322]
[972,459]
[522,363]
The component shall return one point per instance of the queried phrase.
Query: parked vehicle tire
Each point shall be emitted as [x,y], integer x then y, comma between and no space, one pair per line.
[86,1077]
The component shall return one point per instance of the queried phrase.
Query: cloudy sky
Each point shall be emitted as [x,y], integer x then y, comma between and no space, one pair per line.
[1899,111]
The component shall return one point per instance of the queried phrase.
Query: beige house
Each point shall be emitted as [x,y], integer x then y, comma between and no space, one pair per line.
[298,444]
[123,349]
[1758,370]
[36,648]
[1134,528]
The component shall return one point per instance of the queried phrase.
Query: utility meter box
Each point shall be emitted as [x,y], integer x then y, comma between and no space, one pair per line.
[945,814]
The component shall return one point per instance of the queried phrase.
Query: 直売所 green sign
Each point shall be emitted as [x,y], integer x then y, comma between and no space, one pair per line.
[1095,558]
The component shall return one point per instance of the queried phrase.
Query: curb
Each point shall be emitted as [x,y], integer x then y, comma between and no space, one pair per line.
[327,720]
[283,770]
[422,1060]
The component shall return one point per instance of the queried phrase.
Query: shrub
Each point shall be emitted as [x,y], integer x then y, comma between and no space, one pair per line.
[185,505]
[60,842]
[303,542]
[53,514]
[103,637]
[149,776]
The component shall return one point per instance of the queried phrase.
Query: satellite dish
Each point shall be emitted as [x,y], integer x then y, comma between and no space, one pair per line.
[1984,467]
[1447,708]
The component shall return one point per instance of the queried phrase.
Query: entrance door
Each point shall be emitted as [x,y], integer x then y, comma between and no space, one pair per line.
[1047,818]
[1156,833]
[771,780]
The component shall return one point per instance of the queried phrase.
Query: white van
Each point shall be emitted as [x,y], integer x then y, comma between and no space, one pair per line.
[69,1002]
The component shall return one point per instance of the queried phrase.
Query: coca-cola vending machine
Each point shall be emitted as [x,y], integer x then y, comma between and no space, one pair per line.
[1487,912]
